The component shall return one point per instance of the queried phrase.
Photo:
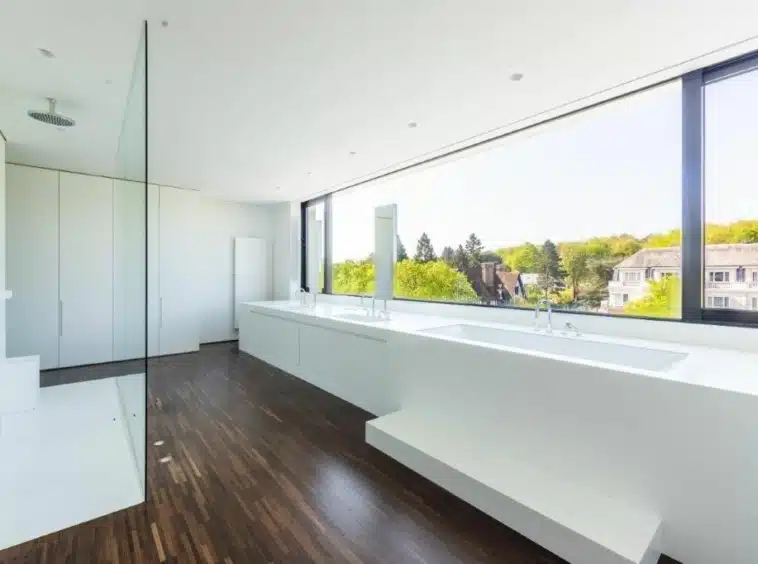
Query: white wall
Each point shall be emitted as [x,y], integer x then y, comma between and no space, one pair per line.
[2,245]
[218,223]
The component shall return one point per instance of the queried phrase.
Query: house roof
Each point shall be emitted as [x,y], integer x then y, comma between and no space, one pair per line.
[742,254]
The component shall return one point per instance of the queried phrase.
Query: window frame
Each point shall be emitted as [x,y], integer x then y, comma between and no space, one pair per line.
[692,271]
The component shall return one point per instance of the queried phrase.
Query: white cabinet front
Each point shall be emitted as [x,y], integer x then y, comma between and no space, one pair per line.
[179,331]
[32,263]
[272,339]
[86,269]
[352,367]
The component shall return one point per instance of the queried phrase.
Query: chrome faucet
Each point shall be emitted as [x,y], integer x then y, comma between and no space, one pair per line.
[385,313]
[549,315]
[572,327]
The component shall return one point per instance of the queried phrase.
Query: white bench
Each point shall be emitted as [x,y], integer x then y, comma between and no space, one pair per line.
[580,526]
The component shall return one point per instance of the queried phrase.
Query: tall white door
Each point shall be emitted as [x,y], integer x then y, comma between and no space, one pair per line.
[32,320]
[86,269]
[179,331]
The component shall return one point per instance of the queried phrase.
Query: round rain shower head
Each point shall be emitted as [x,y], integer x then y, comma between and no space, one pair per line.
[51,117]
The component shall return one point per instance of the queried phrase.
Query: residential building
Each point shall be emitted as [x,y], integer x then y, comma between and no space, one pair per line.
[731,275]
[494,284]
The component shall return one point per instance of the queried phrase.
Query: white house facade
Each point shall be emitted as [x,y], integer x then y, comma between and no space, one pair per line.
[731,275]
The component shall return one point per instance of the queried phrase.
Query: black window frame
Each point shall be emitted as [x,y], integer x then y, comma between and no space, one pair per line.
[327,201]
[693,277]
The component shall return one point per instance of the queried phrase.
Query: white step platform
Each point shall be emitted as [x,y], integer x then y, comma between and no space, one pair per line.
[581,527]
[67,461]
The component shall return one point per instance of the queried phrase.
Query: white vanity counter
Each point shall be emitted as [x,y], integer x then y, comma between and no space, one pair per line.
[602,449]
[696,365]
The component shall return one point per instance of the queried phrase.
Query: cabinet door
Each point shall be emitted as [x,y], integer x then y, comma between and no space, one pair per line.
[86,269]
[129,263]
[179,328]
[271,339]
[352,367]
[32,263]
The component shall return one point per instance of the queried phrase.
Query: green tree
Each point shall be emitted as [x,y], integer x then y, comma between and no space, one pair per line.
[551,273]
[424,249]
[474,249]
[524,258]
[664,299]
[671,238]
[402,254]
[353,277]
[491,256]
[460,260]
[448,254]
[574,258]
[432,280]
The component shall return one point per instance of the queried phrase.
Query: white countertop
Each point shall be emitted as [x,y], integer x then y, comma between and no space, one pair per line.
[721,369]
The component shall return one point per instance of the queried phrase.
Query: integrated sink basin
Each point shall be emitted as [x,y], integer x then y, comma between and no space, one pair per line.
[657,360]
[360,317]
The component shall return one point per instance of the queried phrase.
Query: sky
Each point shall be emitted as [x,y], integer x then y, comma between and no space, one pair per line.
[610,170]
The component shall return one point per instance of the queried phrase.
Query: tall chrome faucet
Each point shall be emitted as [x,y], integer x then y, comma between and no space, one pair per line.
[549,315]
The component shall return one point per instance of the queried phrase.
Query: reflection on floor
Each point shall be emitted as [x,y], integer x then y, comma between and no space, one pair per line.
[267,468]
[68,461]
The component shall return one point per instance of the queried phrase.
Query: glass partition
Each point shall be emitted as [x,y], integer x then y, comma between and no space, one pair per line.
[130,213]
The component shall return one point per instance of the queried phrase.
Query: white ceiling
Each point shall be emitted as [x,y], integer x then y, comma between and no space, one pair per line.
[249,95]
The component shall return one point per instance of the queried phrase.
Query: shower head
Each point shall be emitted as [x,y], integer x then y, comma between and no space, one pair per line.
[51,117]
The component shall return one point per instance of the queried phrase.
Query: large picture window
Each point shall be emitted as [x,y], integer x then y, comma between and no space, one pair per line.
[640,206]
[731,199]
[535,216]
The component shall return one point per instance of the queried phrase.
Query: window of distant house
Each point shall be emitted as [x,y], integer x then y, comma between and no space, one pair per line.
[754,303]
[531,211]
[625,298]
[731,167]
[718,301]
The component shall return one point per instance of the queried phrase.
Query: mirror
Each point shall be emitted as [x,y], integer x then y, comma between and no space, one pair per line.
[385,250]
[315,254]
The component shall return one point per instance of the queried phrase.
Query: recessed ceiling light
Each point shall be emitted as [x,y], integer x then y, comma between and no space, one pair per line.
[164,23]
[278,188]
[353,152]
[309,173]
[516,76]
[47,53]
[412,124]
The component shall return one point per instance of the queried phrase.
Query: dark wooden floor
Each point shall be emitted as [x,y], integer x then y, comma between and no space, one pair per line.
[266,468]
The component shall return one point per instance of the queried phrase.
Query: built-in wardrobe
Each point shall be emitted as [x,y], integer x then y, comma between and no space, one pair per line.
[76,264]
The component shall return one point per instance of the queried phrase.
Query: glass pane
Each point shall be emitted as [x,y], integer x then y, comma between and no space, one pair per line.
[731,206]
[584,211]
[130,262]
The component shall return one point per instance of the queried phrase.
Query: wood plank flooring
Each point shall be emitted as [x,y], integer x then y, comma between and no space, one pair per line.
[266,468]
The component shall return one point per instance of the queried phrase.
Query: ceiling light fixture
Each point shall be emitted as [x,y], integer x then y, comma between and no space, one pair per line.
[164,23]
[412,124]
[516,76]
[47,53]
[352,153]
